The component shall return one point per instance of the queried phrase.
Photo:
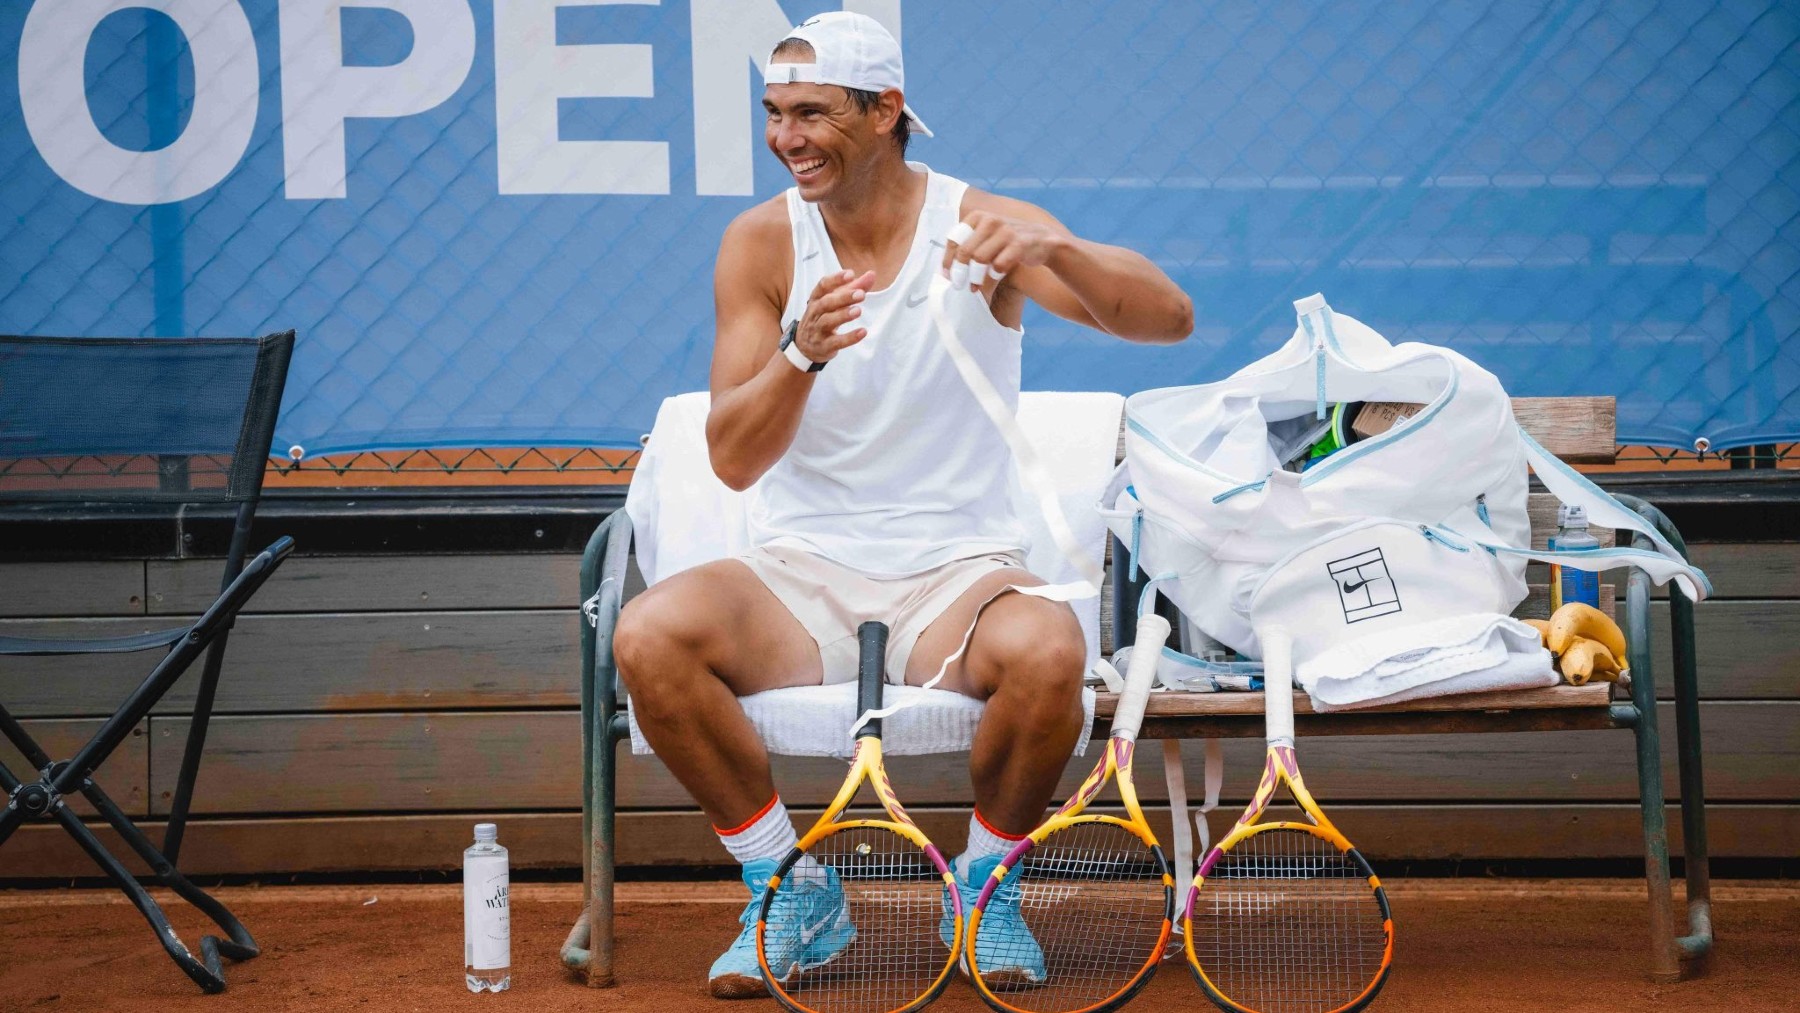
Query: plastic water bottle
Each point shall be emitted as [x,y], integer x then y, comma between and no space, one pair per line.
[1568,584]
[487,918]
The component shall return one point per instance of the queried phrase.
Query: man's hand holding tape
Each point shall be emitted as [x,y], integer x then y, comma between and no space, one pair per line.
[1110,288]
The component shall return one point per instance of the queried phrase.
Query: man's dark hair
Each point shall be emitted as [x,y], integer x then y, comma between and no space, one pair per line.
[866,101]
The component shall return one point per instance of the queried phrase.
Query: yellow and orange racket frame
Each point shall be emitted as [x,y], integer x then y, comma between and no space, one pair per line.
[1280,766]
[1114,765]
[865,765]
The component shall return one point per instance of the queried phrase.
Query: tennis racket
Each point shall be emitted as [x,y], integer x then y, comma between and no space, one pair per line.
[1286,916]
[882,951]
[1094,891]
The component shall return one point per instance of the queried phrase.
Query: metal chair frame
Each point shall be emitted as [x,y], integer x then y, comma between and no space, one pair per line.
[45,798]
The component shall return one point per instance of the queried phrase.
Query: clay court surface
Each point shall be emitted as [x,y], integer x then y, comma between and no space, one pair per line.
[1461,945]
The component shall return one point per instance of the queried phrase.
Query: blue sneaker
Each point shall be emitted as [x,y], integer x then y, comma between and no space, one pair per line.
[1010,957]
[808,927]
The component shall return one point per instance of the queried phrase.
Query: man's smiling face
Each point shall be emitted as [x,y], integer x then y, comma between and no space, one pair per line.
[820,134]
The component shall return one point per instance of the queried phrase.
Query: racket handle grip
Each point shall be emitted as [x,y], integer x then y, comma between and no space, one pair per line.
[871,638]
[1278,683]
[1152,634]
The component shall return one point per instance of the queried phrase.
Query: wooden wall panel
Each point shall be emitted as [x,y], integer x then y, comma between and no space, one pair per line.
[125,776]
[1767,570]
[1743,649]
[110,588]
[378,583]
[529,760]
[314,662]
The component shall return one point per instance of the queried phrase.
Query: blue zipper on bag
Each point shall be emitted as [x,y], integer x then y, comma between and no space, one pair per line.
[1318,343]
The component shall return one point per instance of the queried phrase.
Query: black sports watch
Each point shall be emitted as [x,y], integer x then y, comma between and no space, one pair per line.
[792,353]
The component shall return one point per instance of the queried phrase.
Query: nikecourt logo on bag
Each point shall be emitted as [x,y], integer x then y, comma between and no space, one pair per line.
[1365,588]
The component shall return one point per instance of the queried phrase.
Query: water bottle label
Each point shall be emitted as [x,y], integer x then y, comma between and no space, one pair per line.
[1580,585]
[487,919]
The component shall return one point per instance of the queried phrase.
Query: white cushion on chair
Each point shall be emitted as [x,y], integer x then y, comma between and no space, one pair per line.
[800,721]
[683,516]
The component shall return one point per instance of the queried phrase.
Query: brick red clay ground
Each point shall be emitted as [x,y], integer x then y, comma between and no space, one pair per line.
[1574,945]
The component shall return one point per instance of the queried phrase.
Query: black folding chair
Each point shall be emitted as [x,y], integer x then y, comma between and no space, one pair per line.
[158,426]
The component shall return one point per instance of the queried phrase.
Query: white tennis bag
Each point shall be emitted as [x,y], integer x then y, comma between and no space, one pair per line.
[1395,544]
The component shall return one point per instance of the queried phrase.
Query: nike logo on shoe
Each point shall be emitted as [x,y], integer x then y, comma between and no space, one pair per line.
[810,932]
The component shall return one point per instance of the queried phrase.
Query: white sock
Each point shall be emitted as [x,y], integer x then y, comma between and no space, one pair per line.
[983,841]
[770,835]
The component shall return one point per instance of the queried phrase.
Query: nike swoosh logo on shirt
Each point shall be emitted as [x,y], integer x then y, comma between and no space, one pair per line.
[915,300]
[809,256]
[1358,586]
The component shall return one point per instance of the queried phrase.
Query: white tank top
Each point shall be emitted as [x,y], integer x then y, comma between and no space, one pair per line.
[895,469]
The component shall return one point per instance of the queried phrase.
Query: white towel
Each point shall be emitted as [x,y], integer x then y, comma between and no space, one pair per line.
[681,514]
[1474,653]
[796,721]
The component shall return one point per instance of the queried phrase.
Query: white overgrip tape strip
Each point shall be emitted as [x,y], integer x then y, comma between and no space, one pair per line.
[1032,472]
[963,275]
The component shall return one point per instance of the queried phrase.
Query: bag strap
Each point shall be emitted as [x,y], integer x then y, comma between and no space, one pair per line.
[1663,564]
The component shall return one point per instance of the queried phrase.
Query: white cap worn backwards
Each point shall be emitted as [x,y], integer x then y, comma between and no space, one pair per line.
[849,50]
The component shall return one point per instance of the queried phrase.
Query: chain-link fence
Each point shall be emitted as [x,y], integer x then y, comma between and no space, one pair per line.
[493,221]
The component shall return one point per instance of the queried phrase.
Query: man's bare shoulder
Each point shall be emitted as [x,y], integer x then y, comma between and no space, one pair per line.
[760,229]
[756,259]
[1010,207]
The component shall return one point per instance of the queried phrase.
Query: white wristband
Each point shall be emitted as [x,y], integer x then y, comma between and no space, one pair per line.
[791,352]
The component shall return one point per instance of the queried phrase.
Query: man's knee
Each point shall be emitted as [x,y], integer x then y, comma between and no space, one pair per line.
[658,638]
[1039,649]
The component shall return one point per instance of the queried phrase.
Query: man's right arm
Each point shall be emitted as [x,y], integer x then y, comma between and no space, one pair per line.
[758,396]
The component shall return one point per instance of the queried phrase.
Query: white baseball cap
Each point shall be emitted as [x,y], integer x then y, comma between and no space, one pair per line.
[850,50]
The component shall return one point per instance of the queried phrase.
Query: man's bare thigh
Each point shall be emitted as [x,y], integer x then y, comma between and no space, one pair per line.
[946,632]
[746,635]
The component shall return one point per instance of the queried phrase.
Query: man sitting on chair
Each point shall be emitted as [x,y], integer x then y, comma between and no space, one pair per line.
[883,489]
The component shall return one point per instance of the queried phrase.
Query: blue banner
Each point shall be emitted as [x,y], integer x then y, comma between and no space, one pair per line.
[493,222]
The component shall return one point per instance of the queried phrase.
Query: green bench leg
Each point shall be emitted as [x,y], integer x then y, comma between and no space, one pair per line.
[1668,950]
[1664,965]
[589,946]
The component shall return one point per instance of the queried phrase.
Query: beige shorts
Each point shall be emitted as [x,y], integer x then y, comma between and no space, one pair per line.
[831,600]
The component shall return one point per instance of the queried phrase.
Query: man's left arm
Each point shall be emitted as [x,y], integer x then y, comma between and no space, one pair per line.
[1108,288]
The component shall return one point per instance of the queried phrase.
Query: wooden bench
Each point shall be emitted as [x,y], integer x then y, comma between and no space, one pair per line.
[1577,430]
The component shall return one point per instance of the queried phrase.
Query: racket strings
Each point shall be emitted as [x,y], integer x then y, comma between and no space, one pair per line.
[1287,923]
[1091,899]
[856,922]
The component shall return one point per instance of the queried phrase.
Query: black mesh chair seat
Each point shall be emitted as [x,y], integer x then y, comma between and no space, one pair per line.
[171,423]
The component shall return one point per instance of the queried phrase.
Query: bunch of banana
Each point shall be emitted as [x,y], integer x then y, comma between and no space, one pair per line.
[1588,645]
